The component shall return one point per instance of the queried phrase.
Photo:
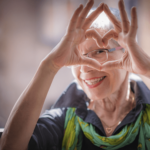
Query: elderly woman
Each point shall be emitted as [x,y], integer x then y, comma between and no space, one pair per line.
[101,58]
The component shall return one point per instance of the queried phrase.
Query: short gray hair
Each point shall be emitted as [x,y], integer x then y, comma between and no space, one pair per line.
[102,21]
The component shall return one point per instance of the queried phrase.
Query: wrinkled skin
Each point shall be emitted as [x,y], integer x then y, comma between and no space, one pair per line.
[109,99]
[134,59]
[111,96]
[66,52]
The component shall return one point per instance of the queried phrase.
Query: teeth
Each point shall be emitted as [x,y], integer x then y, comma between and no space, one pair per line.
[94,81]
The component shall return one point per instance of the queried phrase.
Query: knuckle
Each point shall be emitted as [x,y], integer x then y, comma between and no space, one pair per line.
[115,35]
[125,31]
[125,21]
[134,17]
[121,64]
[88,34]
[118,26]
[72,21]
[88,20]
[81,17]
[135,27]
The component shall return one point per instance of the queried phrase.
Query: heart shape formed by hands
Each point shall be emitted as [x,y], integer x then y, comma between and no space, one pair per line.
[134,59]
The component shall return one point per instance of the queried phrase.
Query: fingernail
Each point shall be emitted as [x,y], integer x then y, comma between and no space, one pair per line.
[122,2]
[134,8]
[80,6]
[101,4]
[105,5]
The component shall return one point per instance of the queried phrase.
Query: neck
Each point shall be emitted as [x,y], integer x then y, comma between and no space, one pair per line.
[115,105]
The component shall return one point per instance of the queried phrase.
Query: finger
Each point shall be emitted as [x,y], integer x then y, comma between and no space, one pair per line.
[73,21]
[92,33]
[124,17]
[110,34]
[91,63]
[84,13]
[110,65]
[134,23]
[116,23]
[89,20]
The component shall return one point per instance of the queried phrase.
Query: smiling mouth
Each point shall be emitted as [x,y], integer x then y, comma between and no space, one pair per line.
[94,82]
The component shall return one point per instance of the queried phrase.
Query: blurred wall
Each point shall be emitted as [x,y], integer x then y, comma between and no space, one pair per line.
[29,29]
[144,29]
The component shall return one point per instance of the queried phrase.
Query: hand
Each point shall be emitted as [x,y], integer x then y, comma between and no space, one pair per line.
[66,53]
[134,58]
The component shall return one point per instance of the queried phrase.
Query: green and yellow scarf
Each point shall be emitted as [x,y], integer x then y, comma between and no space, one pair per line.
[74,126]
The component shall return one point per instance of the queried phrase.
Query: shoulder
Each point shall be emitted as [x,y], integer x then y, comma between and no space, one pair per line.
[73,96]
[49,130]
[142,93]
[56,117]
[146,113]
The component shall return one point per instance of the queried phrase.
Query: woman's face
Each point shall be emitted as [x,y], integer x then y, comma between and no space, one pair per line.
[99,84]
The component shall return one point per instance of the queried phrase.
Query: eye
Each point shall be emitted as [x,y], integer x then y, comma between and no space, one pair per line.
[99,51]
[98,54]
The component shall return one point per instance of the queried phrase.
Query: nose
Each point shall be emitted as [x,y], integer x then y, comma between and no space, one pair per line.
[85,69]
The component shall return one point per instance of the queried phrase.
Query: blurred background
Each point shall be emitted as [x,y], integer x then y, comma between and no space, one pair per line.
[30,29]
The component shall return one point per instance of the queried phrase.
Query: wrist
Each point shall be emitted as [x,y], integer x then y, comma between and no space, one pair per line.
[48,66]
[131,42]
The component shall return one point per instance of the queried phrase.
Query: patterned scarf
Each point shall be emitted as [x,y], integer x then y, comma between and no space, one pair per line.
[74,126]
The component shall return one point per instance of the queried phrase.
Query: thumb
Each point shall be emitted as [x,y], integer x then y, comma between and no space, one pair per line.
[110,65]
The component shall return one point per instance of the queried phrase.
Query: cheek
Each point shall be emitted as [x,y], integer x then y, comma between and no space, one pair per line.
[117,78]
[113,82]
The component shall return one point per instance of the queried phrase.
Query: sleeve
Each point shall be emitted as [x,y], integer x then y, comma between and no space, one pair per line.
[49,130]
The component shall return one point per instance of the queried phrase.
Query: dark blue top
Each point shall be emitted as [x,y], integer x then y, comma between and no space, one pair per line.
[49,130]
